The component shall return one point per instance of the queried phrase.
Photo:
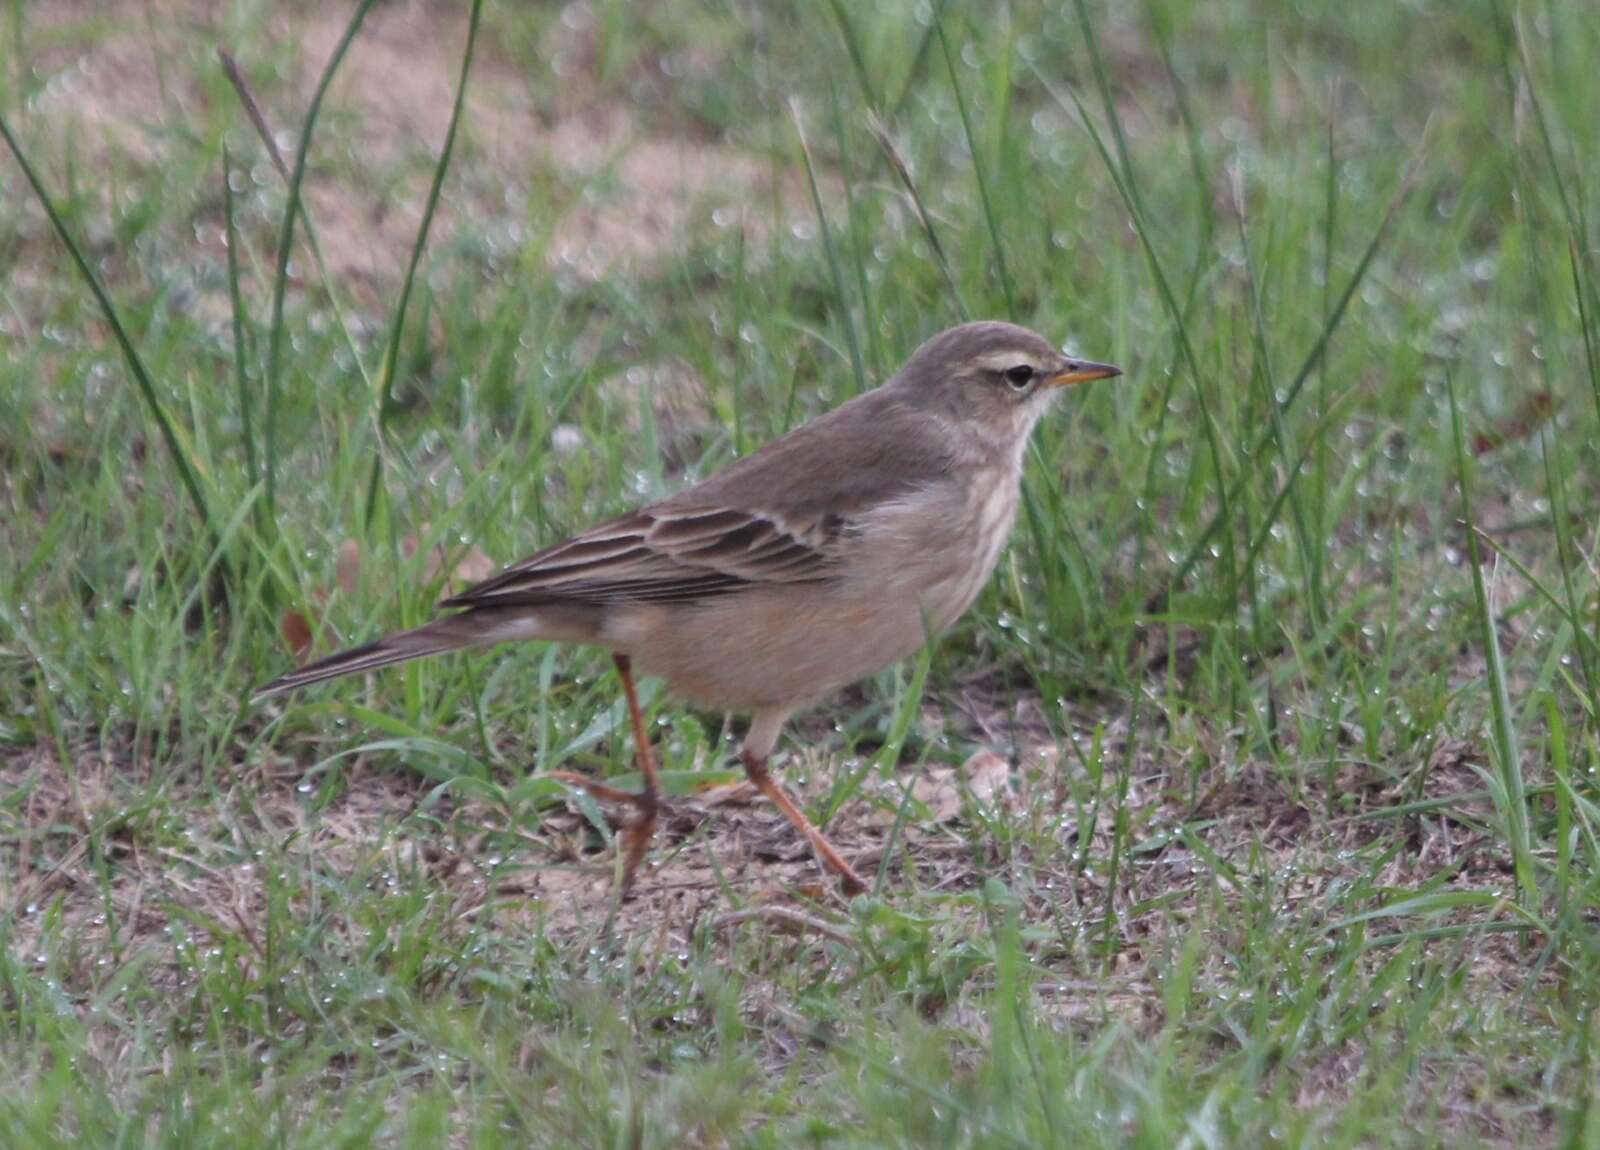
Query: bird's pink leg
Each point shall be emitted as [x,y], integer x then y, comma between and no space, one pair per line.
[827,854]
[640,829]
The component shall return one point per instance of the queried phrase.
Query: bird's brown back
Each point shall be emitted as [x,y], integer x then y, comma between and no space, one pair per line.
[872,447]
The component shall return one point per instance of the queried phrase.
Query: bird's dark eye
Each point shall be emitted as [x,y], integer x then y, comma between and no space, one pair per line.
[1020,376]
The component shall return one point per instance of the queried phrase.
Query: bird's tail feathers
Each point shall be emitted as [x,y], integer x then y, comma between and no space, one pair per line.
[449,634]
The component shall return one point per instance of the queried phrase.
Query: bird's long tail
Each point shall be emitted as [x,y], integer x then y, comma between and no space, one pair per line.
[469,629]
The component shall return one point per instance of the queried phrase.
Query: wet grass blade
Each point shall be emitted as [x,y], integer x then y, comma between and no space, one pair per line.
[1102,84]
[1591,358]
[1515,46]
[1312,360]
[1561,768]
[280,282]
[246,402]
[1226,492]
[252,109]
[918,59]
[391,357]
[902,171]
[852,47]
[1508,788]
[829,249]
[977,172]
[1330,231]
[1199,176]
[188,473]
[1280,431]
[1566,558]
[1292,469]
[859,243]
[258,120]
[1566,608]
[1547,141]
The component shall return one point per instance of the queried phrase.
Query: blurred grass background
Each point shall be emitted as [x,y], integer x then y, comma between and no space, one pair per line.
[1292,659]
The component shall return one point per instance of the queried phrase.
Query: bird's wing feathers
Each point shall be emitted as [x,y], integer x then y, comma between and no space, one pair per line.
[780,515]
[656,556]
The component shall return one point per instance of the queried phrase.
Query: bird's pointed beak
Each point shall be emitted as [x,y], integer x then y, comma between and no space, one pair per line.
[1081,371]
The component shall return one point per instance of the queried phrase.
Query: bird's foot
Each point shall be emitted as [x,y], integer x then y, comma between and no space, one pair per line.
[605,792]
[850,882]
[636,832]
[636,838]
[827,854]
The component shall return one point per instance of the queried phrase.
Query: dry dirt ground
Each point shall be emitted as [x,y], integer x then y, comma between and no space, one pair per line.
[721,856]
[641,188]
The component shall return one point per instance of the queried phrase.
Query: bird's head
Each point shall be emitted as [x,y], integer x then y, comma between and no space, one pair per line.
[992,374]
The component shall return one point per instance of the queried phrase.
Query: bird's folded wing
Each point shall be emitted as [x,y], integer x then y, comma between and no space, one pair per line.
[784,514]
[661,555]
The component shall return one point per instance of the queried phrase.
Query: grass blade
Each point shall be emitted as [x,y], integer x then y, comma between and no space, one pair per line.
[1556,486]
[236,300]
[977,171]
[1226,492]
[834,271]
[857,231]
[902,171]
[258,120]
[391,357]
[188,473]
[1510,795]
[1565,608]
[1330,231]
[280,281]
[252,108]
[1161,33]
[852,47]
[1591,357]
[1561,767]
[1313,357]
[1280,432]
[1103,85]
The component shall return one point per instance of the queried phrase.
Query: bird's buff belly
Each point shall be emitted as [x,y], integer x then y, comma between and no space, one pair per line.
[790,645]
[762,649]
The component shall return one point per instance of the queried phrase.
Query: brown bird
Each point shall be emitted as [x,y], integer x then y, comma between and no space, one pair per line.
[820,559]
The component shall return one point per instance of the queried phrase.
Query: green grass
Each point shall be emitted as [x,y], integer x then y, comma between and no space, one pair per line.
[1294,651]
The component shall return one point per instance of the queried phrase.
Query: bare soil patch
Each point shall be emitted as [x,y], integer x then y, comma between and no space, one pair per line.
[718,853]
[119,79]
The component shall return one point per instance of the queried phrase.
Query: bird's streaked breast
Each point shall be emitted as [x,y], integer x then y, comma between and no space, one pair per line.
[993,511]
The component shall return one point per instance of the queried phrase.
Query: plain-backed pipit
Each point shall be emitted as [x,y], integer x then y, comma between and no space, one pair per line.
[819,560]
